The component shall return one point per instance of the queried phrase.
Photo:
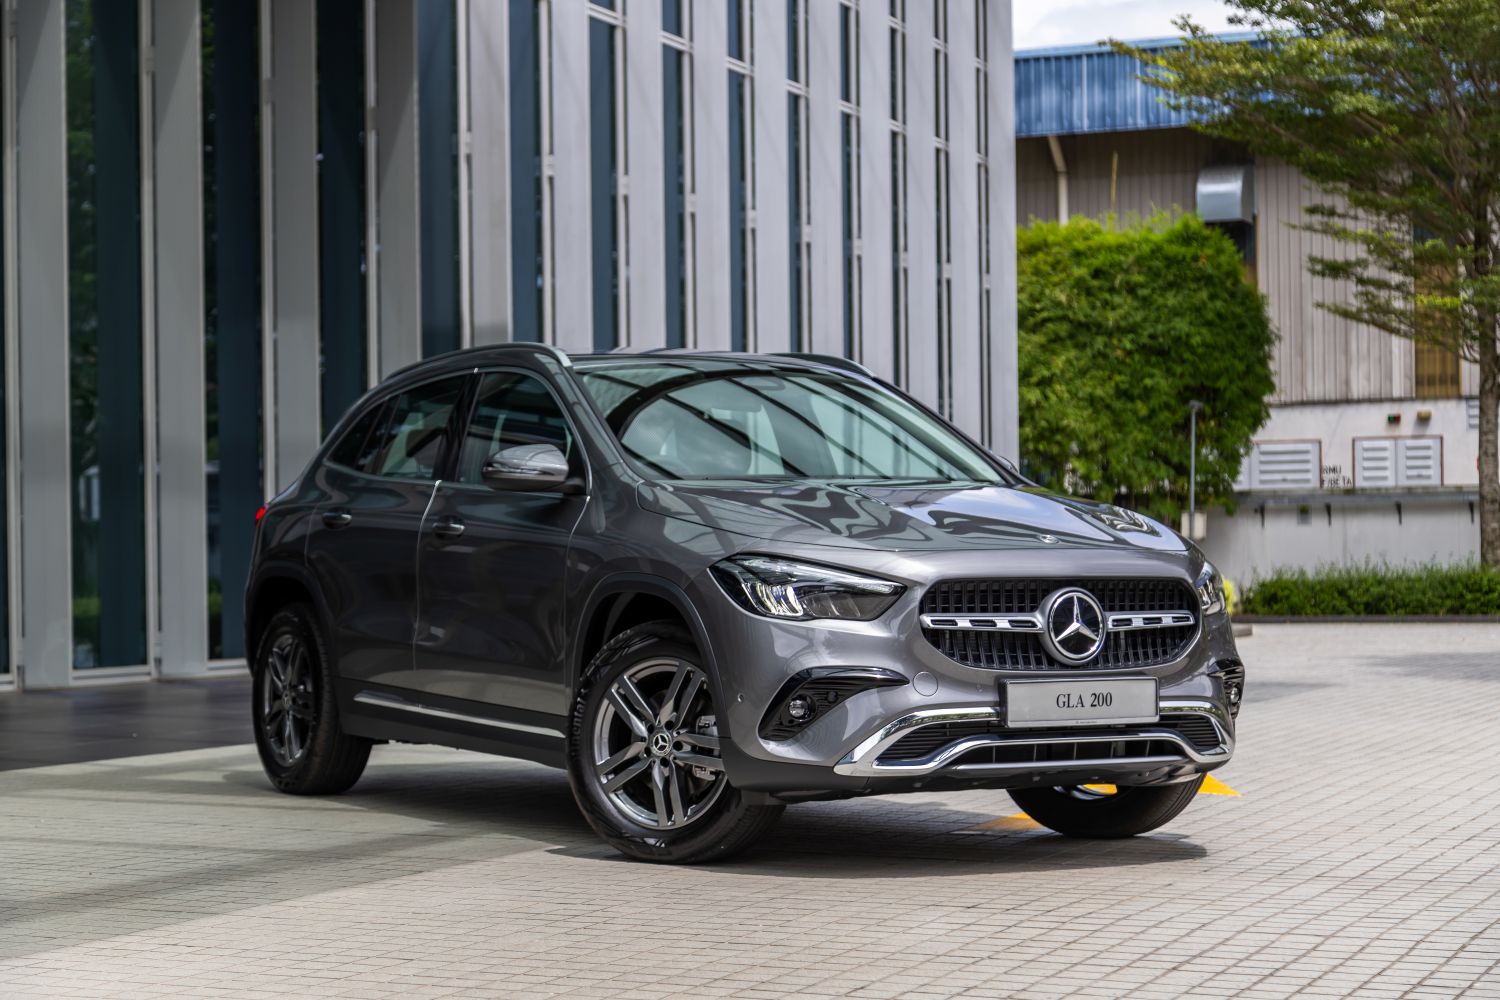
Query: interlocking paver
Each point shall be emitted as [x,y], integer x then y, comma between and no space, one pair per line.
[1359,861]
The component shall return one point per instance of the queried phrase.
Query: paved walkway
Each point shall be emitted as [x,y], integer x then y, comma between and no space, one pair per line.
[1362,858]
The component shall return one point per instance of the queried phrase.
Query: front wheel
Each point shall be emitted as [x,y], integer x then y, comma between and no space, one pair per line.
[644,754]
[1106,812]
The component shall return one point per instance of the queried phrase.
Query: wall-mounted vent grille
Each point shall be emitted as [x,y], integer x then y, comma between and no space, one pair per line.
[1281,465]
[1396,462]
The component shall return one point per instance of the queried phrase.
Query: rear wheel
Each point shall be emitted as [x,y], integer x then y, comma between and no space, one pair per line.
[1105,812]
[302,747]
[644,754]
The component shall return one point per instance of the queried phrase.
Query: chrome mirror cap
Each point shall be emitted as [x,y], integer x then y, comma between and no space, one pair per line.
[535,467]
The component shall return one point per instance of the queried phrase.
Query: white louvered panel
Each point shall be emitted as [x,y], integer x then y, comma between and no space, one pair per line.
[1374,462]
[1473,414]
[1286,464]
[1420,462]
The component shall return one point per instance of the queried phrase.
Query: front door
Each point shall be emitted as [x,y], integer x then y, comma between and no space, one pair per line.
[492,565]
[379,479]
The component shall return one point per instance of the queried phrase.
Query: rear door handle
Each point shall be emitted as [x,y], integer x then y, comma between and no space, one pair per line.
[337,518]
[448,527]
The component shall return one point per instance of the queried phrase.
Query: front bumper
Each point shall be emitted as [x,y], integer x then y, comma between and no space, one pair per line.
[1131,748]
[848,748]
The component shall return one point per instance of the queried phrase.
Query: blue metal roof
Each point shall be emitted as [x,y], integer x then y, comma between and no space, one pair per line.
[1089,88]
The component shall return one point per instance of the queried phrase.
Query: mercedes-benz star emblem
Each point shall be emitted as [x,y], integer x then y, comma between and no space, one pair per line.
[1074,625]
[661,743]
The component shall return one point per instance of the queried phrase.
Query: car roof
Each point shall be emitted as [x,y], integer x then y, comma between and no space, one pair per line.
[499,353]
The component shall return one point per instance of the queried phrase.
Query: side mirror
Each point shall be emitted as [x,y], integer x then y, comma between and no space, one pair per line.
[535,467]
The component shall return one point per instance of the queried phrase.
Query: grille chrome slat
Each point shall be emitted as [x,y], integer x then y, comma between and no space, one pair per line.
[997,624]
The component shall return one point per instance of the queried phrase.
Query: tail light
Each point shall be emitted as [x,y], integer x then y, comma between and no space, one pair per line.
[260,513]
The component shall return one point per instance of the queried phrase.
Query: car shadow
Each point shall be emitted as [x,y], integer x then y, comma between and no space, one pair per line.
[892,836]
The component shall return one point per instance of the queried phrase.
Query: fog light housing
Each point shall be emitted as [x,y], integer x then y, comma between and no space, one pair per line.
[1232,674]
[809,693]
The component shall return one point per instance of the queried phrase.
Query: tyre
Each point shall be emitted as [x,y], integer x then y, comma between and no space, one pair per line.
[644,755]
[297,732]
[1105,812]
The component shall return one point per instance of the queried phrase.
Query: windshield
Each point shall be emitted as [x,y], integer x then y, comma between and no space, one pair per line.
[725,420]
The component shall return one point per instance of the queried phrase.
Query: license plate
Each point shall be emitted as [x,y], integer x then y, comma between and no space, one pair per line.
[1103,702]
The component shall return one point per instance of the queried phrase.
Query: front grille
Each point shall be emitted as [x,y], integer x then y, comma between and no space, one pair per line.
[927,740]
[997,649]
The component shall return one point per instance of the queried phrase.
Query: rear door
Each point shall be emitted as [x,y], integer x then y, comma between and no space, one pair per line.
[379,480]
[492,565]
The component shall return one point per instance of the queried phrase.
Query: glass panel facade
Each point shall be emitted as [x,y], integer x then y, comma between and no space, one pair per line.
[527,272]
[4,512]
[796,258]
[341,204]
[675,78]
[437,124]
[106,364]
[738,279]
[232,304]
[603,181]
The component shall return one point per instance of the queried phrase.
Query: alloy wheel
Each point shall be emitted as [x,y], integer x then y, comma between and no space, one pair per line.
[287,699]
[656,751]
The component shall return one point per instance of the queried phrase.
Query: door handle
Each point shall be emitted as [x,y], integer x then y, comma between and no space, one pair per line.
[337,518]
[448,527]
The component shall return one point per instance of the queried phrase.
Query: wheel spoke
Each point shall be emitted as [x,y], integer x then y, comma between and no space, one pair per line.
[674,796]
[703,741]
[631,752]
[277,668]
[658,793]
[624,777]
[289,737]
[273,715]
[669,700]
[629,701]
[685,700]
[700,760]
[297,665]
[632,718]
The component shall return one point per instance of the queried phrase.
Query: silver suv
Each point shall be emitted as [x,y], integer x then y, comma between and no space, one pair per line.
[710,585]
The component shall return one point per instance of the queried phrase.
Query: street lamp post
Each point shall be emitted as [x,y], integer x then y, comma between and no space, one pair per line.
[1193,407]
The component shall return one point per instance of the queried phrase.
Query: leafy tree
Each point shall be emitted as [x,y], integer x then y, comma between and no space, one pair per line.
[1392,108]
[1119,329]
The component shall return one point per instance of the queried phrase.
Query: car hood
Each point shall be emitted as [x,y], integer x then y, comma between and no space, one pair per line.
[898,516]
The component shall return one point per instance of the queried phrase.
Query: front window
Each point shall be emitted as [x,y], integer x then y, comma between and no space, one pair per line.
[710,420]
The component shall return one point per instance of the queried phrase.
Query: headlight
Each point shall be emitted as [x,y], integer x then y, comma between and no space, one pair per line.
[781,588]
[1210,590]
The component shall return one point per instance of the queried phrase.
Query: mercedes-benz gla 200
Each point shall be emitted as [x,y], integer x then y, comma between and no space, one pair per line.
[710,585]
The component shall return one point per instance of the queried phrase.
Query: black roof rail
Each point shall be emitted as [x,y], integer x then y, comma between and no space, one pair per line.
[831,360]
[530,346]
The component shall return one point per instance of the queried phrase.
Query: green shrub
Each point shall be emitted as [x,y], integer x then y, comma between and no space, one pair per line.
[1119,329]
[1465,589]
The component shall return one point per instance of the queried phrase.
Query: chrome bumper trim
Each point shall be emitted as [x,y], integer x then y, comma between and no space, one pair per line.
[863,760]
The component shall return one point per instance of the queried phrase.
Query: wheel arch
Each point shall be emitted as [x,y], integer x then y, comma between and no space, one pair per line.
[628,599]
[273,589]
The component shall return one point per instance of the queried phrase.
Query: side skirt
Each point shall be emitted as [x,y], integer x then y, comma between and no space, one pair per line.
[378,712]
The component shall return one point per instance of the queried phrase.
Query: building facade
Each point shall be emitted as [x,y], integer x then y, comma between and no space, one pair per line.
[1371,450]
[223,220]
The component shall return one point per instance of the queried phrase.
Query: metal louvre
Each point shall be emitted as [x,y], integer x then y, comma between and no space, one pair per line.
[1008,649]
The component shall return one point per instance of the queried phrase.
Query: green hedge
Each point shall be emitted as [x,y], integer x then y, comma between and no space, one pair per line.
[1465,589]
[1120,326]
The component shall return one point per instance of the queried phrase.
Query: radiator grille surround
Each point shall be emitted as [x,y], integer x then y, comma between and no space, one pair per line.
[1018,649]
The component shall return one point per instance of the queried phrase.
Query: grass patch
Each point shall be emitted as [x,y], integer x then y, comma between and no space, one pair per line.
[1464,589]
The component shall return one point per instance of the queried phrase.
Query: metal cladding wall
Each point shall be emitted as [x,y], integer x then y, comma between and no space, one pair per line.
[330,189]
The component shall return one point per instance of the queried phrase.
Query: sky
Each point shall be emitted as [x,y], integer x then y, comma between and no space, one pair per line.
[1040,23]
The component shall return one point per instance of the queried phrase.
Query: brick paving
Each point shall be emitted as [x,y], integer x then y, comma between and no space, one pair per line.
[1362,859]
